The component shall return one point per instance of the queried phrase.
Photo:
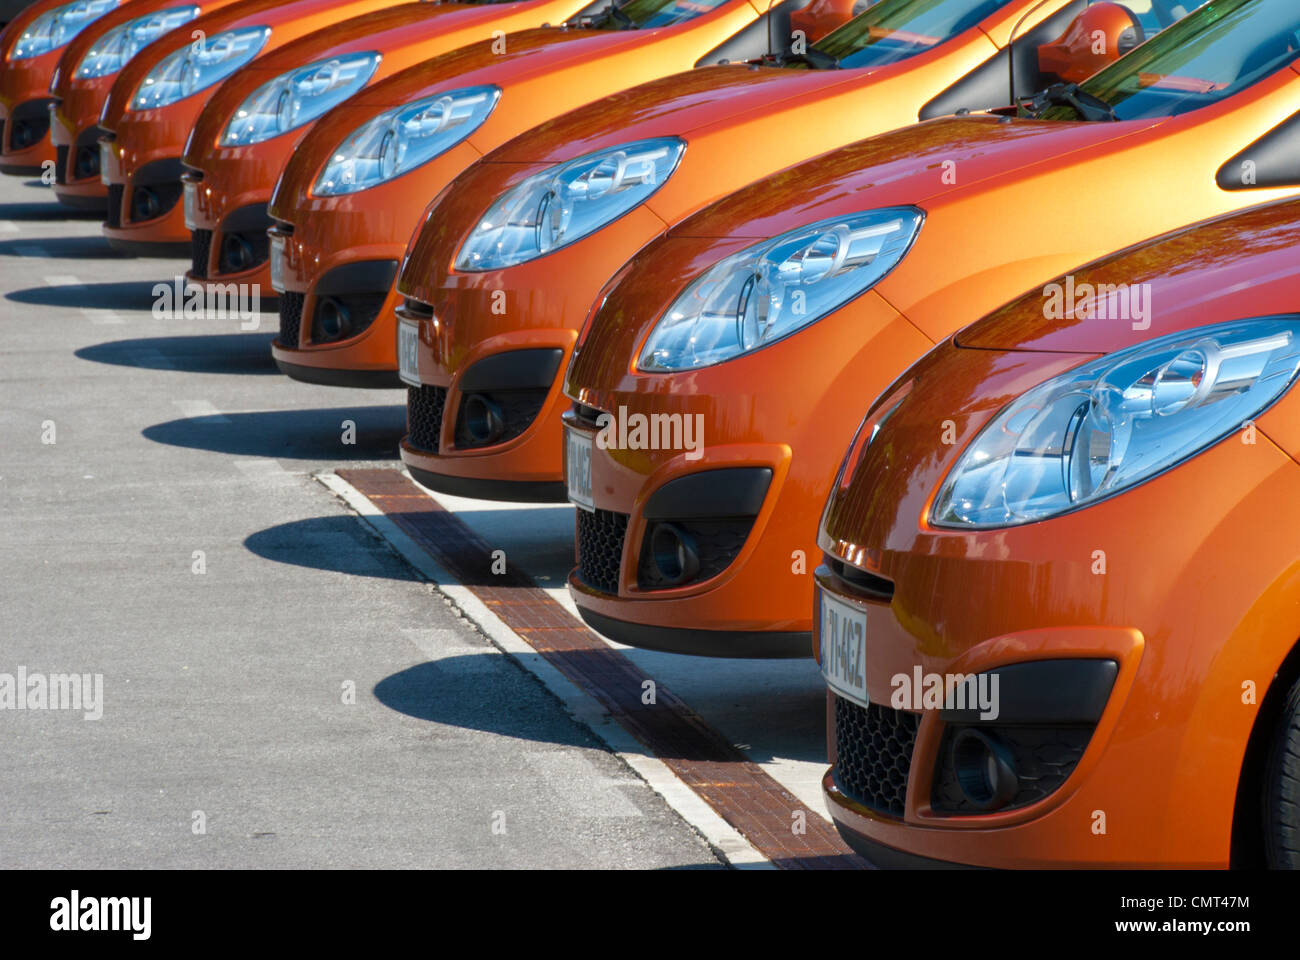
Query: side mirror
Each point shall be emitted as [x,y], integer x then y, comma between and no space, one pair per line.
[1096,38]
[820,17]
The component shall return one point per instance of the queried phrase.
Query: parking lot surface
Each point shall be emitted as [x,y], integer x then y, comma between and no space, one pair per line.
[282,683]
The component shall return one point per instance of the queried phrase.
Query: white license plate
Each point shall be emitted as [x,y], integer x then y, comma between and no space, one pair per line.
[408,357]
[190,191]
[577,468]
[843,643]
[105,161]
[277,263]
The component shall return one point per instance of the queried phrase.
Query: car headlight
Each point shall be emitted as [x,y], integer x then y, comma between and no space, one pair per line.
[197,66]
[566,203]
[112,51]
[399,140]
[768,291]
[298,96]
[1113,422]
[56,27]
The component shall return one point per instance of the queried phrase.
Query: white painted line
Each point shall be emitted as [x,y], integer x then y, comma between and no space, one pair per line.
[61,280]
[263,469]
[8,226]
[203,412]
[101,316]
[584,708]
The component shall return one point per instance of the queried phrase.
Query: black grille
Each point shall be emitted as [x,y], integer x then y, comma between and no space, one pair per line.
[1044,757]
[600,548]
[115,193]
[424,416]
[290,319]
[873,747]
[518,409]
[61,164]
[200,248]
[717,544]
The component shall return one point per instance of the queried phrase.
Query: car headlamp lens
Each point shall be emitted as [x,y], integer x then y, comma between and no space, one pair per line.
[1116,421]
[297,97]
[56,27]
[770,290]
[554,208]
[115,48]
[197,66]
[399,140]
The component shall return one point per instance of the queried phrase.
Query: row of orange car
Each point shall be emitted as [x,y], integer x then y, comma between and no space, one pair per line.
[659,258]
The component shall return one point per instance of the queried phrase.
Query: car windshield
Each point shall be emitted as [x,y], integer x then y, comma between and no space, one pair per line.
[646,14]
[1208,56]
[894,30]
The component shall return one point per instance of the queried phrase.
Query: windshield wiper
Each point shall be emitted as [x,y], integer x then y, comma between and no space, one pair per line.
[1085,104]
[812,57]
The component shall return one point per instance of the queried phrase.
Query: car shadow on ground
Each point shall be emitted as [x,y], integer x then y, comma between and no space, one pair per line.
[60,248]
[337,544]
[211,353]
[480,691]
[50,210]
[118,295]
[331,433]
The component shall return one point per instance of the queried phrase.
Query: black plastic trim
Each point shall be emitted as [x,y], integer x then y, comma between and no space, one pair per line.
[332,377]
[533,369]
[519,491]
[1047,692]
[746,644]
[725,492]
[360,277]
[988,86]
[1276,156]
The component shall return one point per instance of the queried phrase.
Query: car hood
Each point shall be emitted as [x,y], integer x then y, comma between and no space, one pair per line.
[671,106]
[527,54]
[386,31]
[284,18]
[902,166]
[1188,278]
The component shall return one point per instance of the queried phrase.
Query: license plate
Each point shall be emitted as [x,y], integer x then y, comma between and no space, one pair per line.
[843,642]
[190,191]
[408,345]
[577,468]
[277,263]
[105,162]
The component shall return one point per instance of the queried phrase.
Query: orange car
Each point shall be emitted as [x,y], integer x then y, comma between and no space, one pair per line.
[492,369]
[348,200]
[756,323]
[1064,631]
[31,45]
[248,130]
[85,74]
[156,98]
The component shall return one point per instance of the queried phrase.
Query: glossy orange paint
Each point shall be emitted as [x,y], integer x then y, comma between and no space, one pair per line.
[541,74]
[1199,594]
[1031,198]
[739,122]
[78,101]
[231,178]
[25,86]
[154,138]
